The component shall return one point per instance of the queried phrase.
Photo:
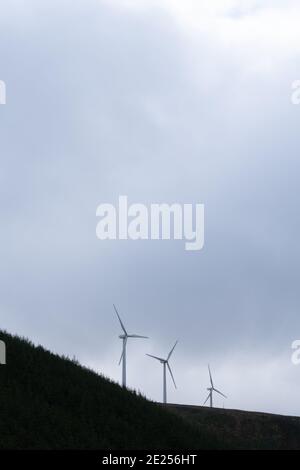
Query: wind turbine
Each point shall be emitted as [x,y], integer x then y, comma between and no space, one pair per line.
[165,363]
[211,390]
[124,337]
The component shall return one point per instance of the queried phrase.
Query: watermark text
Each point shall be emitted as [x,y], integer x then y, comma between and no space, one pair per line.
[154,222]
[2,353]
[2,92]
[295,96]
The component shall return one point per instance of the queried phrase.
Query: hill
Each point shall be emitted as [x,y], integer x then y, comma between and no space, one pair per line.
[51,402]
[237,429]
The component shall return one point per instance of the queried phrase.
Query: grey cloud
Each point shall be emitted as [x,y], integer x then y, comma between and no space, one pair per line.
[103,102]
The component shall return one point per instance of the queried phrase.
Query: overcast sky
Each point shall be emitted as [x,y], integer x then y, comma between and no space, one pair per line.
[162,101]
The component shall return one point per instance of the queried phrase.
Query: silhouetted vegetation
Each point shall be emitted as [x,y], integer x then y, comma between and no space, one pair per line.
[237,429]
[49,402]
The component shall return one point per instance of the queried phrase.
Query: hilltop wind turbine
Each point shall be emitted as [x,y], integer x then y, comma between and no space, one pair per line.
[124,337]
[211,390]
[165,363]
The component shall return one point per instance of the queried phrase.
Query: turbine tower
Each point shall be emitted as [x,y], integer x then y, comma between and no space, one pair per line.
[124,337]
[165,363]
[211,390]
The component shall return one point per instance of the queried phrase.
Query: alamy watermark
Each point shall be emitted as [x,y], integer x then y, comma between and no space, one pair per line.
[295,96]
[2,353]
[2,92]
[154,222]
[295,358]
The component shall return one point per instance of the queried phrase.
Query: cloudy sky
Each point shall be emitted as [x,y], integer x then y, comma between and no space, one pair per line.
[162,101]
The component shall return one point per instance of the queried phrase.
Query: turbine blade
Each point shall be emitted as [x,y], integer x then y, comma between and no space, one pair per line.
[211,381]
[206,399]
[137,336]
[121,357]
[122,326]
[171,374]
[218,391]
[170,353]
[124,346]
[155,357]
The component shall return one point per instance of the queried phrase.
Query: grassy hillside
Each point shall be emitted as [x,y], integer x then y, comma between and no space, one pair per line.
[243,429]
[48,402]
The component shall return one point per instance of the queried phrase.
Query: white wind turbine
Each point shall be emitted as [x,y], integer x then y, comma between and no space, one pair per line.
[124,337]
[165,363]
[211,390]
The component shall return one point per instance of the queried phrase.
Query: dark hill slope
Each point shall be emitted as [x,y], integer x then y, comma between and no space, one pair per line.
[49,402]
[244,429]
